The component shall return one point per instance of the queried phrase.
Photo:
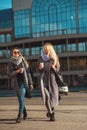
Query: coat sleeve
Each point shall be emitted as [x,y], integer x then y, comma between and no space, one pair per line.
[30,77]
[10,72]
[40,61]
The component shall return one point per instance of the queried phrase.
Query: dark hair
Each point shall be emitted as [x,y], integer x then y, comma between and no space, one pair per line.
[14,49]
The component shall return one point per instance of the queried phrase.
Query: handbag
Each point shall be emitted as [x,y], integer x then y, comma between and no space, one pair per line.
[59,78]
[28,94]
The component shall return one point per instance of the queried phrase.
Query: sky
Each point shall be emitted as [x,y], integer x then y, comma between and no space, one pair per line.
[5,4]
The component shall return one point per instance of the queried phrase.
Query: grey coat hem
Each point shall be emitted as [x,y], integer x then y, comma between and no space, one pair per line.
[51,85]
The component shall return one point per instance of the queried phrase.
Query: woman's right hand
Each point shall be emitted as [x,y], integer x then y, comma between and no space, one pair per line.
[41,66]
[20,70]
[31,87]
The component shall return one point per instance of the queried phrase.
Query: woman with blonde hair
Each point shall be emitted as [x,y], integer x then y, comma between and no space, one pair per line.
[21,81]
[48,64]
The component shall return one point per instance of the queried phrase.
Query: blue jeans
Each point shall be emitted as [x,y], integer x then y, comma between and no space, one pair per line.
[21,96]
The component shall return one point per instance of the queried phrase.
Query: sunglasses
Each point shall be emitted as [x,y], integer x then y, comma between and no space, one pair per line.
[16,52]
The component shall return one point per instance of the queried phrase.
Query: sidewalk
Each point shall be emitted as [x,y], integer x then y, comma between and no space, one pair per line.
[67,118]
[71,114]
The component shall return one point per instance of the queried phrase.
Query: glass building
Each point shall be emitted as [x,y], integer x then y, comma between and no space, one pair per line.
[31,23]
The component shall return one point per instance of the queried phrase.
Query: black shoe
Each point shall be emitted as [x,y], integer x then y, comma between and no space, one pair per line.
[52,118]
[48,114]
[52,108]
[18,120]
[24,114]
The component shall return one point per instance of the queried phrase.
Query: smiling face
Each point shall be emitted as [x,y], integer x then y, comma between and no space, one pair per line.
[16,53]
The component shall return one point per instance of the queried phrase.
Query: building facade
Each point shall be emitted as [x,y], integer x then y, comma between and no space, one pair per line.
[31,23]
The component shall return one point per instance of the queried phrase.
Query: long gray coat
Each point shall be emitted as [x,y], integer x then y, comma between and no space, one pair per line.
[47,79]
[13,78]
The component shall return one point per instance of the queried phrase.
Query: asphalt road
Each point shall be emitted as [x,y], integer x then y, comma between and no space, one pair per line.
[74,98]
[71,114]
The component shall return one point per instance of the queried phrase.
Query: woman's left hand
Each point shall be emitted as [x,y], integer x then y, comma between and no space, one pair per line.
[41,66]
[53,66]
[31,87]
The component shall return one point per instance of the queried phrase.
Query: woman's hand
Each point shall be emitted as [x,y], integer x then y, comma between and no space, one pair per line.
[41,66]
[20,70]
[31,87]
[53,66]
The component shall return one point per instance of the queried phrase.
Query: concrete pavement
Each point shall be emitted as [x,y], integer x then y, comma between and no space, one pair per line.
[68,116]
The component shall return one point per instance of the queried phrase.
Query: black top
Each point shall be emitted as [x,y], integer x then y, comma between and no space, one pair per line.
[19,75]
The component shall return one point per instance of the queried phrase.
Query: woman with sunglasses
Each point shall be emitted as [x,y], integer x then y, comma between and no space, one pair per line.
[21,81]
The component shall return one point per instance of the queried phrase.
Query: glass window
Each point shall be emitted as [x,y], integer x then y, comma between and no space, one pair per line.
[8,53]
[6,18]
[73,63]
[56,16]
[26,51]
[81,46]
[59,48]
[3,72]
[81,63]
[82,16]
[63,64]
[22,23]
[3,54]
[0,53]
[36,50]
[8,38]
[2,38]
[72,47]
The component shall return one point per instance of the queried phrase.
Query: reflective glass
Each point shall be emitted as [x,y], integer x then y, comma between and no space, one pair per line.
[81,46]
[8,38]
[36,50]
[71,47]
[51,18]
[26,51]
[22,23]
[2,38]
[82,16]
[6,18]
[56,16]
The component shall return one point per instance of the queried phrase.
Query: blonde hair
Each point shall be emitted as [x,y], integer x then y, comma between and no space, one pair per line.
[52,54]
